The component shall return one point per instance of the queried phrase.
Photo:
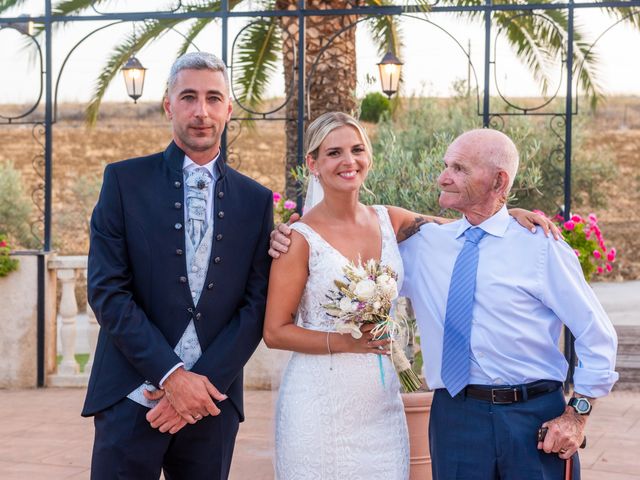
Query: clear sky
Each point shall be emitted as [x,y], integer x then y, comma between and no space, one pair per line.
[432,61]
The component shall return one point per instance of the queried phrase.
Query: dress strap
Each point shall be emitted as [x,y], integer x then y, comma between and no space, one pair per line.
[386,227]
[310,235]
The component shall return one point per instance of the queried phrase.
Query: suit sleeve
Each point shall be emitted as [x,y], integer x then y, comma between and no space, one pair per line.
[110,291]
[225,357]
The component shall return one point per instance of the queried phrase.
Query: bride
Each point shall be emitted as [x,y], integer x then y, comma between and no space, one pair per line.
[339,413]
[335,417]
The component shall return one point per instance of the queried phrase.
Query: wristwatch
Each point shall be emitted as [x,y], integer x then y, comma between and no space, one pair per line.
[581,405]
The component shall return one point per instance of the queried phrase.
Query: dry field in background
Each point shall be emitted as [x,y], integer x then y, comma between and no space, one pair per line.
[126,130]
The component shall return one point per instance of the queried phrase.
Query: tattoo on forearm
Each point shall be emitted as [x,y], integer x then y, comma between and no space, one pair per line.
[415,226]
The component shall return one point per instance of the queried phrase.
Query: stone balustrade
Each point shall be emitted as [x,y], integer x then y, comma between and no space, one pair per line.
[63,338]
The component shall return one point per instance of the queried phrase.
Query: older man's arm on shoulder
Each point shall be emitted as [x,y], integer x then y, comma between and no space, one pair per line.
[567,293]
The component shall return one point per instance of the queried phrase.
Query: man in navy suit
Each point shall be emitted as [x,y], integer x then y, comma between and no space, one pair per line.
[177,278]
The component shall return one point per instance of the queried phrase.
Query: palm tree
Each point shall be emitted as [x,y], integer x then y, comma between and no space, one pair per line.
[536,40]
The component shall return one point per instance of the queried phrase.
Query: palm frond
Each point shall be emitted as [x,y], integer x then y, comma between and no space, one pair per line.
[7,4]
[631,16]
[385,29]
[67,7]
[256,60]
[193,32]
[121,53]
[535,41]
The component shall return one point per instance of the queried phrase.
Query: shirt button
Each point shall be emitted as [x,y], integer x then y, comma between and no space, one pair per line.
[179,251]
[220,214]
[177,184]
[210,286]
[193,294]
[183,279]
[177,205]
[190,310]
[194,268]
[219,237]
[217,260]
[198,316]
[177,226]
[220,194]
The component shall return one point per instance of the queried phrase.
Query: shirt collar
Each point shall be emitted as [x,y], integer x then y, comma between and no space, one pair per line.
[495,225]
[188,165]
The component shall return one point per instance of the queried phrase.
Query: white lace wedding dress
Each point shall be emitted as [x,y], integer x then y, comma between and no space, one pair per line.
[337,416]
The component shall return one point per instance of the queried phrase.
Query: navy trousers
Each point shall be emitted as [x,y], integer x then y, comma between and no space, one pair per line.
[473,439]
[127,447]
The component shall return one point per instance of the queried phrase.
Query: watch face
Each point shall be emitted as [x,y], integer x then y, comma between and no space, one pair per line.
[581,405]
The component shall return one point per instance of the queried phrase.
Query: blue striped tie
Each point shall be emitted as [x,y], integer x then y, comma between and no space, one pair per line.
[457,322]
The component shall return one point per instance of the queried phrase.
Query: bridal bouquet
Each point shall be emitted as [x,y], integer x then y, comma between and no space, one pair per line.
[365,296]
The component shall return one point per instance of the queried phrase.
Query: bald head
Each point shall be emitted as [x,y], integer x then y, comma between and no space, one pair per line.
[480,166]
[490,148]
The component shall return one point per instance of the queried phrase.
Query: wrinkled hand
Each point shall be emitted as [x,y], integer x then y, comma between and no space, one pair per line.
[529,220]
[280,237]
[191,395]
[163,416]
[565,434]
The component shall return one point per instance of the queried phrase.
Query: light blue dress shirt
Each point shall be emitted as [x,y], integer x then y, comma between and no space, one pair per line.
[527,287]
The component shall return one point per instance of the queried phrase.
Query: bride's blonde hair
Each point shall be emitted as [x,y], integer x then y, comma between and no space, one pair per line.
[327,123]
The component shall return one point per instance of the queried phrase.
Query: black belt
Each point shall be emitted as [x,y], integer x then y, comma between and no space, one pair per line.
[511,394]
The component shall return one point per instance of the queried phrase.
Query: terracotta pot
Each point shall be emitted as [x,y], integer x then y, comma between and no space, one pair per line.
[417,407]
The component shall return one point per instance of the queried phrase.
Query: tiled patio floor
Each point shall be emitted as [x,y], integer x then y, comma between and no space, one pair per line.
[42,436]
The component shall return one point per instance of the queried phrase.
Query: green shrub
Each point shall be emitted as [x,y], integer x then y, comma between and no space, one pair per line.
[408,153]
[373,107]
[15,207]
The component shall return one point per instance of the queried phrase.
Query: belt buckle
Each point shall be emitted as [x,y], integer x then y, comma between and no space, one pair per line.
[498,402]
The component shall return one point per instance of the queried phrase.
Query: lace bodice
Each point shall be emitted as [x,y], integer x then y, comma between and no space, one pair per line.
[326,265]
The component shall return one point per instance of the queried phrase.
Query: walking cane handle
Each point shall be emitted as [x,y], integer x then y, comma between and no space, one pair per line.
[542,433]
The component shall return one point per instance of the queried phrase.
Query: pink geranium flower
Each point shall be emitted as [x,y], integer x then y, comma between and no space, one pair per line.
[569,225]
[600,270]
[611,256]
[290,205]
[592,218]
[609,267]
[577,218]
[597,254]
[3,244]
[276,197]
[539,212]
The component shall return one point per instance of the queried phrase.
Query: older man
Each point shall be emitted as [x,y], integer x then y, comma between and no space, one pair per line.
[491,300]
[178,271]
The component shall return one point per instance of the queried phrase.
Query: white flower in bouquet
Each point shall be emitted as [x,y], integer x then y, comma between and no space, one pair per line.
[388,286]
[347,306]
[365,289]
[349,328]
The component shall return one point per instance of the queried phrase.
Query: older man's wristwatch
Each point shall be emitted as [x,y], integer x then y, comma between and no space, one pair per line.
[581,405]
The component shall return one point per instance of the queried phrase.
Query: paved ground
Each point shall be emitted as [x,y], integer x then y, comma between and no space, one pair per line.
[42,436]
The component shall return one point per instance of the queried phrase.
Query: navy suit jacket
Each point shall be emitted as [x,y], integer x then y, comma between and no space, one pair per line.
[137,277]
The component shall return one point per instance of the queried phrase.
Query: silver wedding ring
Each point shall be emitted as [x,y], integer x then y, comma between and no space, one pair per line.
[197,417]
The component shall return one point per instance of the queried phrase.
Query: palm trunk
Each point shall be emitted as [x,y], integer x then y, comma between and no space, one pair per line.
[330,83]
